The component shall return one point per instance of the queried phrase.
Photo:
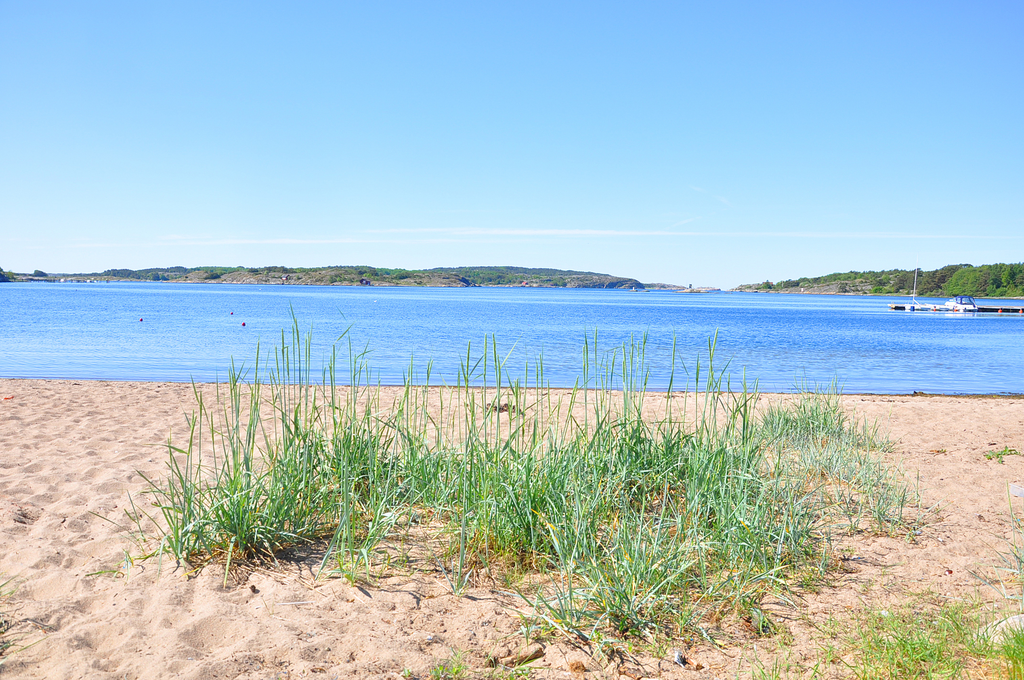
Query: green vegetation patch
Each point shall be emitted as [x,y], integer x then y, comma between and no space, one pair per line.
[452,668]
[10,640]
[1011,649]
[924,639]
[635,528]
[927,636]
[6,622]
[999,455]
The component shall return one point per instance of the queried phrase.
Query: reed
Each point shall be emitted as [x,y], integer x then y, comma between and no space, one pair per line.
[637,524]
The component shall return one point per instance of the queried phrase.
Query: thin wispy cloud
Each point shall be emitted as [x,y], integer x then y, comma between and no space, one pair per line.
[460,211]
[273,241]
[555,233]
[200,241]
[562,233]
[721,199]
[433,235]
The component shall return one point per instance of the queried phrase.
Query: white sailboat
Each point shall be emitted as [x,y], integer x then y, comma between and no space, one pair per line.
[914,304]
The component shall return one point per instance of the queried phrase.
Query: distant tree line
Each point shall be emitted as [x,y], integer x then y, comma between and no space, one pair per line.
[152,274]
[987,280]
[993,280]
[511,276]
[364,274]
[4,278]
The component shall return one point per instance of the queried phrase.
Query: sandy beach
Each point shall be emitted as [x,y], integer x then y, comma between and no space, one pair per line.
[73,453]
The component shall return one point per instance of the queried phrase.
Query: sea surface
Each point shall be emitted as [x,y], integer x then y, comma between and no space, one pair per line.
[183,332]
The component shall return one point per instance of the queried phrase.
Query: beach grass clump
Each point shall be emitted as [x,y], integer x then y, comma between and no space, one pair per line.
[1011,650]
[452,668]
[926,636]
[634,524]
[838,456]
[247,486]
[10,639]
[6,622]
[918,642]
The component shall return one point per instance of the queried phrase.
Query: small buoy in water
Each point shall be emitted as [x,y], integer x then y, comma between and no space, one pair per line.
[232,313]
[243,323]
[140,319]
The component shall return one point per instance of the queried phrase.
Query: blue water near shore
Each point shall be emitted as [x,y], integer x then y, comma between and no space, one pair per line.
[194,331]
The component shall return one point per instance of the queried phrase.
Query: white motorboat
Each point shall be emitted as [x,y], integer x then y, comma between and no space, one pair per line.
[960,303]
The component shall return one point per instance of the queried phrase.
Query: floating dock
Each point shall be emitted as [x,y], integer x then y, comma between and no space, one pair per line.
[982,309]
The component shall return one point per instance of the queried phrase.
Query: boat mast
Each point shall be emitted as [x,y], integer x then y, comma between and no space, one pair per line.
[913,296]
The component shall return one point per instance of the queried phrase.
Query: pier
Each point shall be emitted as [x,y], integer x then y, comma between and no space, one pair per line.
[982,309]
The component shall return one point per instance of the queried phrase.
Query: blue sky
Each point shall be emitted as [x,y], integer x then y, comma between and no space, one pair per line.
[704,143]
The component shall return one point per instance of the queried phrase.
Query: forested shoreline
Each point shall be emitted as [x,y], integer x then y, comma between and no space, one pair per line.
[987,280]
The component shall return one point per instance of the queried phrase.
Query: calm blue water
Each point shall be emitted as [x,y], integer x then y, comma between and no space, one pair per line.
[93,331]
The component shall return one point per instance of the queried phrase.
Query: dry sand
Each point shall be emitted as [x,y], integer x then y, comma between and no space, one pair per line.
[72,452]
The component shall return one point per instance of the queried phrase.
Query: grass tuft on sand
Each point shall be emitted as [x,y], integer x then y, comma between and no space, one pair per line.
[6,622]
[10,635]
[628,526]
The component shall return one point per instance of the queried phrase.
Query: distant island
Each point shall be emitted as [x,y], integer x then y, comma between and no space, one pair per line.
[357,275]
[987,280]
